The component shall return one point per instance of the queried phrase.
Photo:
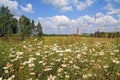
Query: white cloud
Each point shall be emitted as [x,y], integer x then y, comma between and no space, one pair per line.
[54,21]
[106,21]
[111,10]
[57,3]
[62,5]
[99,14]
[28,8]
[81,6]
[66,8]
[67,5]
[12,5]
[85,23]
[109,7]
[114,11]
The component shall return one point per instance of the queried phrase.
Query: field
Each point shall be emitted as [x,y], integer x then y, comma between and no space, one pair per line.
[60,58]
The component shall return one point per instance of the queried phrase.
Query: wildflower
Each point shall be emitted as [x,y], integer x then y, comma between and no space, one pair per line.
[60,70]
[37,54]
[116,51]
[84,53]
[76,67]
[112,53]
[47,68]
[6,71]
[9,65]
[9,79]
[71,62]
[25,46]
[64,65]
[61,54]
[39,47]
[78,56]
[31,65]
[106,66]
[58,60]
[68,50]
[19,53]
[65,59]
[115,61]
[51,77]
[0,78]
[35,39]
[12,77]
[89,75]
[32,59]
[67,76]
[92,61]
[102,53]
[10,55]
[85,76]
[93,49]
[30,79]
[40,62]
[32,73]
[5,67]
[44,63]
[52,63]
[21,67]
[118,74]
[30,45]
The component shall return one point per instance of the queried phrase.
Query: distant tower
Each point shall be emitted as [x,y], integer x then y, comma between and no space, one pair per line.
[77,31]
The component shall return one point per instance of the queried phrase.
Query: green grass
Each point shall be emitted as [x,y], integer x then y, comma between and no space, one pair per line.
[60,58]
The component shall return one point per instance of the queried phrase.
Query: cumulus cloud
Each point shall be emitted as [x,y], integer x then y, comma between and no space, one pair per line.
[54,21]
[111,10]
[83,5]
[67,5]
[12,5]
[66,8]
[62,5]
[28,8]
[99,14]
[85,23]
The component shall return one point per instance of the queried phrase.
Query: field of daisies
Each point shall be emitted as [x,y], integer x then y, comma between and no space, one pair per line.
[60,58]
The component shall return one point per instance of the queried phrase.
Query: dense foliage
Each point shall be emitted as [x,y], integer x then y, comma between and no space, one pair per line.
[10,25]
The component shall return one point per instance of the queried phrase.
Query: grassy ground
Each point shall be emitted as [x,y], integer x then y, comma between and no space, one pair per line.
[60,58]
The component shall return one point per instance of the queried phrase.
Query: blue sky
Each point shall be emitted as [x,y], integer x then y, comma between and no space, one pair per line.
[64,16]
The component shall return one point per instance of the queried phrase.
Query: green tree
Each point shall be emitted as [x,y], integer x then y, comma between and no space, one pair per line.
[5,20]
[39,30]
[25,27]
[33,26]
[14,26]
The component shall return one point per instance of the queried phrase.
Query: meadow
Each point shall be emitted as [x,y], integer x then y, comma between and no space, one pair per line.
[60,58]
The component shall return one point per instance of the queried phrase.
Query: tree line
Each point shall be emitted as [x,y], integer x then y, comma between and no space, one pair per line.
[23,26]
[106,34]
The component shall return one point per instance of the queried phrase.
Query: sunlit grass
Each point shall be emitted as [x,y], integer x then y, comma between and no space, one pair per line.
[60,58]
